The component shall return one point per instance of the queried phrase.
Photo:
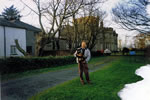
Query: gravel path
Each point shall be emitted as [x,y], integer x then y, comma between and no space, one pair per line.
[23,88]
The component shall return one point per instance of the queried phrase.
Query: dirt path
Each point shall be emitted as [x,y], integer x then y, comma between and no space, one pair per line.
[23,88]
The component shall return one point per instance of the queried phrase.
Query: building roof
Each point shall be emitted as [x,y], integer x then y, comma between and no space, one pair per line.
[18,24]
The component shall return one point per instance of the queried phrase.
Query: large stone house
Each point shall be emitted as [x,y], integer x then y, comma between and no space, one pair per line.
[15,29]
[107,38]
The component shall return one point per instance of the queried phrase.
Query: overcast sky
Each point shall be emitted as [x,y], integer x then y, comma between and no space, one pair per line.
[31,17]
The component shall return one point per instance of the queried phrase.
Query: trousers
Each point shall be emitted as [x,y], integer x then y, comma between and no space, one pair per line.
[83,67]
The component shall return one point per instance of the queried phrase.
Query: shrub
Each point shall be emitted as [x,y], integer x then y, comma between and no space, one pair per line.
[20,64]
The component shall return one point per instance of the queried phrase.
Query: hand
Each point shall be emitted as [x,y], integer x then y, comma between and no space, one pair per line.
[84,61]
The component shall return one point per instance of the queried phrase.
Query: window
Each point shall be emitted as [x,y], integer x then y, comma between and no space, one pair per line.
[13,50]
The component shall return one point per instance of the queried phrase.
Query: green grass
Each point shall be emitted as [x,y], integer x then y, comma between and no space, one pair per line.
[106,83]
[45,70]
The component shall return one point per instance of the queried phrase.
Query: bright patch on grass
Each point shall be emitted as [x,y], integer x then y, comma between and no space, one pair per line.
[139,90]
[106,83]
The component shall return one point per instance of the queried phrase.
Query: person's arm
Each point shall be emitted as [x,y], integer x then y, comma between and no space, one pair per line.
[88,55]
[75,54]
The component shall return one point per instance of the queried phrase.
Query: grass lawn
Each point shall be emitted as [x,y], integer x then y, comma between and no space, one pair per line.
[45,70]
[106,83]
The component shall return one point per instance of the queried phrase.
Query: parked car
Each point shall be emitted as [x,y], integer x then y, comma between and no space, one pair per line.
[107,52]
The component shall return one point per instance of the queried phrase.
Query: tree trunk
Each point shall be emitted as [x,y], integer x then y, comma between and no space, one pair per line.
[20,49]
[57,44]
[41,42]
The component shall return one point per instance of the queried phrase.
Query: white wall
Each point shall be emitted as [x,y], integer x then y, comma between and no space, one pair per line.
[1,41]
[11,35]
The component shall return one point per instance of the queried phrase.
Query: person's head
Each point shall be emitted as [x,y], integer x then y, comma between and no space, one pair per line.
[83,44]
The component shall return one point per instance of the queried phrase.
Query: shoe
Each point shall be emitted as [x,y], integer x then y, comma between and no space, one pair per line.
[82,82]
[89,82]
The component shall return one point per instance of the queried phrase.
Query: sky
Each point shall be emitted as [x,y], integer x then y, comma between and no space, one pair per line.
[139,90]
[31,17]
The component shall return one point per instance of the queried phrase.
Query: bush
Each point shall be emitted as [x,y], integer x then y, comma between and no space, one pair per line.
[20,64]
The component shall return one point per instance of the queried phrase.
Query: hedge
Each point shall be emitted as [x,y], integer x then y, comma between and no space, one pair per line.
[20,64]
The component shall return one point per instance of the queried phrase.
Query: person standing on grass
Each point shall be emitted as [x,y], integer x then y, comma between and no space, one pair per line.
[83,55]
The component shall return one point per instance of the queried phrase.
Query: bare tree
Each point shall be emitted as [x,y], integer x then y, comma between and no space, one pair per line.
[55,12]
[89,28]
[133,15]
[90,16]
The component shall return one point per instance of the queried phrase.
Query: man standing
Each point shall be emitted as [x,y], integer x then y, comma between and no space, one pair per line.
[83,55]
